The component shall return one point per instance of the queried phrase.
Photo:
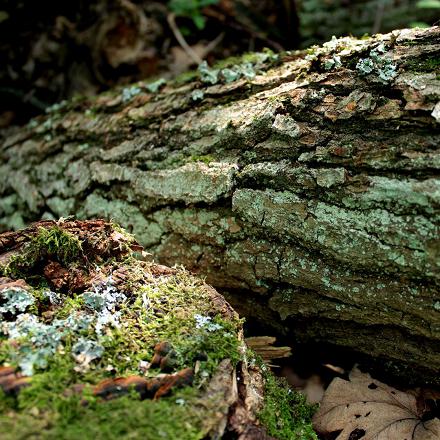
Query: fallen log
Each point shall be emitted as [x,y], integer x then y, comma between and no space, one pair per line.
[105,344]
[304,185]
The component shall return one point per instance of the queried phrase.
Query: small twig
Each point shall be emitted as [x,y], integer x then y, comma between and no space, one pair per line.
[254,34]
[213,44]
[171,18]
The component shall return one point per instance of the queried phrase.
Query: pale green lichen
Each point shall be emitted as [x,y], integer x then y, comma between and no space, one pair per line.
[38,341]
[190,183]
[330,177]
[333,63]
[377,63]
[15,299]
[384,241]
[285,125]
[208,75]
[233,69]
[54,108]
[128,93]
[155,86]
[197,95]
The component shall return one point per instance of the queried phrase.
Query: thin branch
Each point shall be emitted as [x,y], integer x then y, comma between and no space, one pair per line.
[171,18]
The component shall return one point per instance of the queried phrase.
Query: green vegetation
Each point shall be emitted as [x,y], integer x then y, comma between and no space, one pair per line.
[191,9]
[428,65]
[285,414]
[51,242]
[205,158]
[109,330]
[67,345]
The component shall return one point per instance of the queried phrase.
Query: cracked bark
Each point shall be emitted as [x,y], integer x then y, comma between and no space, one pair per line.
[312,188]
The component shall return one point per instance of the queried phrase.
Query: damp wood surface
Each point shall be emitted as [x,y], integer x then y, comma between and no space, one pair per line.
[307,191]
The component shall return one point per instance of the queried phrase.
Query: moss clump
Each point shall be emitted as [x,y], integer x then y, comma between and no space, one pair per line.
[206,158]
[53,242]
[84,353]
[428,65]
[285,414]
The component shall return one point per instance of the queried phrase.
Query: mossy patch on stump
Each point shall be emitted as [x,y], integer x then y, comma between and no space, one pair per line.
[97,343]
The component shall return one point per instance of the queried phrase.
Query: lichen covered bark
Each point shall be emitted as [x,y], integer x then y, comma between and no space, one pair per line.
[311,187]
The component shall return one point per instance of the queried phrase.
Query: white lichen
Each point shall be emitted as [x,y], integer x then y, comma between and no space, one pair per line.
[205,322]
[84,352]
[382,66]
[15,299]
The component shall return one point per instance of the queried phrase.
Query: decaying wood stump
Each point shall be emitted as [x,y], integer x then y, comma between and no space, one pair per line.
[304,185]
[94,342]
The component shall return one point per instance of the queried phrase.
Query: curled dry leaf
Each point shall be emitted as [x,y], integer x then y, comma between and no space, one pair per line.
[364,408]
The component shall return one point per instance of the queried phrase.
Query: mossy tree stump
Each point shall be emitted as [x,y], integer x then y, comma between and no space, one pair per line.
[305,185]
[95,343]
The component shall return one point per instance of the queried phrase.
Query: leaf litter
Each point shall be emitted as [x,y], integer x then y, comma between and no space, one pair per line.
[364,408]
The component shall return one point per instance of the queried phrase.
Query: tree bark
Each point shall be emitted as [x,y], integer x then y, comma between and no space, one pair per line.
[310,193]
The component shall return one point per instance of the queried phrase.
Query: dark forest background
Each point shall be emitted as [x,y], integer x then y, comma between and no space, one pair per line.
[51,50]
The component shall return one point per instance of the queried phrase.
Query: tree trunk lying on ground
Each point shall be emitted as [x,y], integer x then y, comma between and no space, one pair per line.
[94,342]
[309,192]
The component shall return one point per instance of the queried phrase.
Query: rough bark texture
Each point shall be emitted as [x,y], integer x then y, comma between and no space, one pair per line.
[310,192]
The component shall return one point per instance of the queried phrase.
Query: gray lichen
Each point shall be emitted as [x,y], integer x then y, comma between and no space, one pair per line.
[15,300]
[154,86]
[128,93]
[379,64]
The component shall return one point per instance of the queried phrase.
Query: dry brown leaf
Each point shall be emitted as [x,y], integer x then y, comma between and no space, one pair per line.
[364,408]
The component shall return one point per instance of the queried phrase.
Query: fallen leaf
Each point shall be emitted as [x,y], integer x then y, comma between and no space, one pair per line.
[364,408]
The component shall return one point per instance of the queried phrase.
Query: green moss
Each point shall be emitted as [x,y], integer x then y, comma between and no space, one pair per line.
[285,414]
[83,416]
[428,64]
[186,77]
[70,304]
[206,158]
[179,299]
[132,317]
[52,242]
